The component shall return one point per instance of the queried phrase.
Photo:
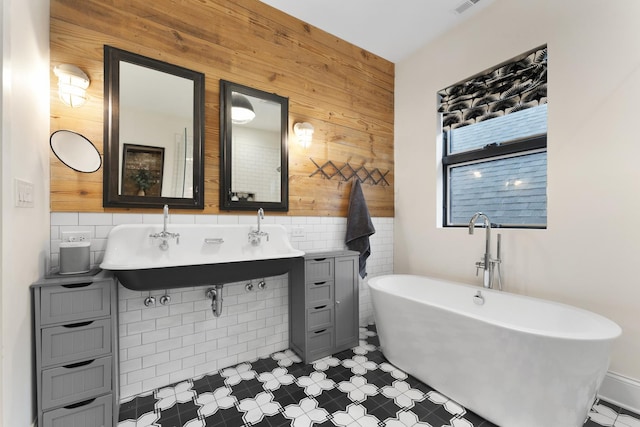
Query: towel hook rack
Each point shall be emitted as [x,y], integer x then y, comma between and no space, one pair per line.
[345,172]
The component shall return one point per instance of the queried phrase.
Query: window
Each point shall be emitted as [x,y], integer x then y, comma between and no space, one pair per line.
[494,133]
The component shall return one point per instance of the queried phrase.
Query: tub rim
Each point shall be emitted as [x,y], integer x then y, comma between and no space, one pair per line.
[610,330]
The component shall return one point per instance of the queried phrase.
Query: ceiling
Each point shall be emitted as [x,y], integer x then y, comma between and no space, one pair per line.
[391,29]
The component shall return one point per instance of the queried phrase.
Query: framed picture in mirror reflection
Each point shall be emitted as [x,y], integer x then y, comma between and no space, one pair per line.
[142,168]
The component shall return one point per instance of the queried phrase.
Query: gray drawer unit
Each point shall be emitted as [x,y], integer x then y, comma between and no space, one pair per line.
[318,268]
[74,302]
[76,350]
[96,412]
[76,341]
[320,344]
[77,382]
[324,309]
[319,293]
[320,317]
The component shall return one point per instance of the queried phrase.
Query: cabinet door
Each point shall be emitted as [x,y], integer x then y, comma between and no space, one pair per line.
[346,302]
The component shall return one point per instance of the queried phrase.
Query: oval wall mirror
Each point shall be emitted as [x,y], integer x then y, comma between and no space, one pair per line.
[253,146]
[75,151]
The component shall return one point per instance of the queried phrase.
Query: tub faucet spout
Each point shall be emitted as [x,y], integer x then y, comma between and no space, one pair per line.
[487,263]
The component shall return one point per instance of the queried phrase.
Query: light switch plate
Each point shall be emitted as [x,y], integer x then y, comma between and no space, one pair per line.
[24,193]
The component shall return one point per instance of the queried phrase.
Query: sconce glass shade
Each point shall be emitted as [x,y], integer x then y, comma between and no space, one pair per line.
[72,84]
[304,133]
[241,109]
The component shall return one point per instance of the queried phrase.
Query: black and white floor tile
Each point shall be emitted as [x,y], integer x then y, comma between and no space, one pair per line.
[355,388]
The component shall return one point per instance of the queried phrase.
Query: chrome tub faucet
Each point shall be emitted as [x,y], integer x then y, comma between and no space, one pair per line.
[490,266]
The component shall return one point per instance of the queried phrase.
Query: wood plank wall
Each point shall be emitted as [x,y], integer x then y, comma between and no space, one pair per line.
[344,91]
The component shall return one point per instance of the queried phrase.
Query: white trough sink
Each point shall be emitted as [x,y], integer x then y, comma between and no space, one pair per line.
[201,255]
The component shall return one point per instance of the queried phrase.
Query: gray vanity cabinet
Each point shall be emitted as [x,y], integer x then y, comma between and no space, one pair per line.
[324,309]
[75,336]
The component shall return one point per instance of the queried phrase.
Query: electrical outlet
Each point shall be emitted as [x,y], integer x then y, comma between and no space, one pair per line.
[297,232]
[76,236]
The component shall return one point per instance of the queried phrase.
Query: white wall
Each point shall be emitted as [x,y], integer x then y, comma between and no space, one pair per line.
[24,231]
[589,253]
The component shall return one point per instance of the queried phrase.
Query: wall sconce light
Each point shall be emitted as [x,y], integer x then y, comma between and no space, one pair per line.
[304,133]
[241,109]
[72,84]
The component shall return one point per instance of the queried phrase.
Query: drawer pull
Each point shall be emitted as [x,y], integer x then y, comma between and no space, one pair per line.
[79,364]
[319,307]
[78,325]
[77,285]
[319,283]
[319,259]
[79,404]
[320,331]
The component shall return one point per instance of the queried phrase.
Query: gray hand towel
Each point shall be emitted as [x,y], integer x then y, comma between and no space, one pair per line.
[359,226]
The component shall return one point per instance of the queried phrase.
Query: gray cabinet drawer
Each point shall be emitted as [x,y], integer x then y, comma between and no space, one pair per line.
[320,344]
[74,342]
[93,413]
[73,383]
[320,317]
[319,269]
[69,303]
[319,292]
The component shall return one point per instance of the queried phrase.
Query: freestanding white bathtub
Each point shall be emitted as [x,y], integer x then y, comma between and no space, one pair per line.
[515,360]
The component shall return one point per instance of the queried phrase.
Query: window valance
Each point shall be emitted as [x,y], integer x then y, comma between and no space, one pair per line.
[516,85]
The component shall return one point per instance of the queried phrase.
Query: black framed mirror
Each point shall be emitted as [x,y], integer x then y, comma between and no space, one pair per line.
[154,133]
[254,169]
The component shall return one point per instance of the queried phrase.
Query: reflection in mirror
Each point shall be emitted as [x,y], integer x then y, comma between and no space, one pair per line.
[254,169]
[156,111]
[75,151]
[154,127]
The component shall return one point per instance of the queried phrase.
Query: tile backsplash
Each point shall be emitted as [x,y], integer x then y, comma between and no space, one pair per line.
[163,344]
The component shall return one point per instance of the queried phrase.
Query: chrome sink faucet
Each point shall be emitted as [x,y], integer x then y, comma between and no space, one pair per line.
[255,236]
[260,216]
[488,264]
[164,234]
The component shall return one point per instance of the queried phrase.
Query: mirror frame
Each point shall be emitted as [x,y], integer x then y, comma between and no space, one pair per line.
[226,89]
[112,154]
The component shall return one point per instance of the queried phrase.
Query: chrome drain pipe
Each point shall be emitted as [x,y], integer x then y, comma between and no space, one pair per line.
[215,295]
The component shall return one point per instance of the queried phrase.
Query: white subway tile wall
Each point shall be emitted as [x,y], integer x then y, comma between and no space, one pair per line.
[163,344]
[256,163]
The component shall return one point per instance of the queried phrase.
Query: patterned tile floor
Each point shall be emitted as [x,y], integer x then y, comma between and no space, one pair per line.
[357,388]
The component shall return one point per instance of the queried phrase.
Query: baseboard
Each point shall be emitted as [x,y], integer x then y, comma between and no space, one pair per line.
[621,391]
